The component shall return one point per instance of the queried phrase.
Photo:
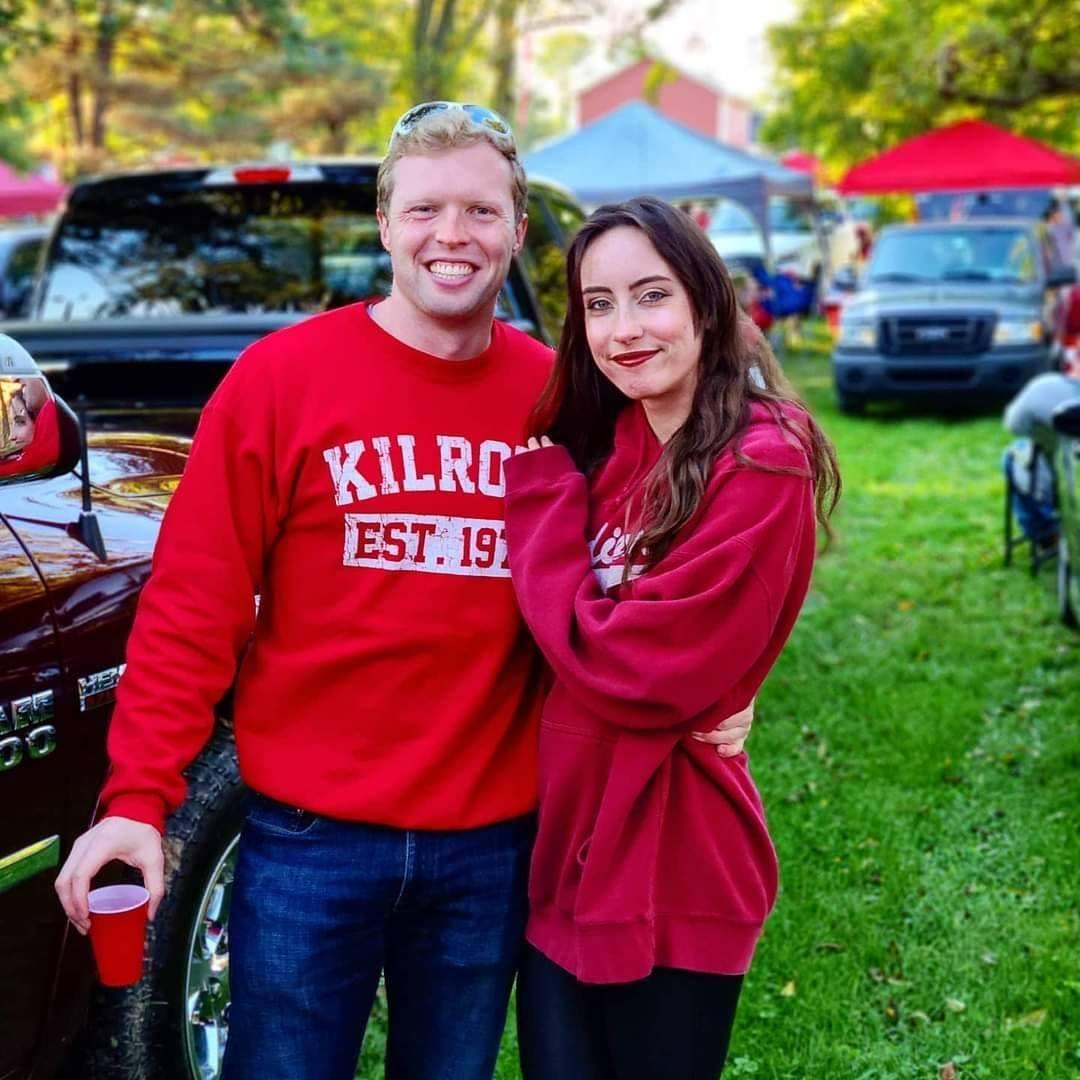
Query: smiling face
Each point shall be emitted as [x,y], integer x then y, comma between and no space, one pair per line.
[640,325]
[20,421]
[451,233]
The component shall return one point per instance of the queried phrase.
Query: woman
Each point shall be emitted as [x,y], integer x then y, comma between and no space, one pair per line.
[661,534]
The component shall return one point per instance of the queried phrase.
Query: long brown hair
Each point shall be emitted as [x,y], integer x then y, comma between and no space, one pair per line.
[579,406]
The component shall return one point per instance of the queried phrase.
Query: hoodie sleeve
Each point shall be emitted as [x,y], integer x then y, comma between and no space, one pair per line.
[685,635]
[196,612]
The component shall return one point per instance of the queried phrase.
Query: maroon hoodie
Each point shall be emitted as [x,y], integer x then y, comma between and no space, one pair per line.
[652,849]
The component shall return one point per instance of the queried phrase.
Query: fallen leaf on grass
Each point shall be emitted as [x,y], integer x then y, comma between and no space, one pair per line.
[788,989]
[830,946]
[1028,1020]
[948,1071]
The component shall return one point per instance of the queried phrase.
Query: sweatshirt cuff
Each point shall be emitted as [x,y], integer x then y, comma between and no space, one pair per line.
[537,467]
[148,809]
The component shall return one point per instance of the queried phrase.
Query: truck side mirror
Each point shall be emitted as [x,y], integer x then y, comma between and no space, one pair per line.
[39,434]
[1066,419]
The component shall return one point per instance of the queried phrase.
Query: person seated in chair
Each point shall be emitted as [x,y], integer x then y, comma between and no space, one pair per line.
[1029,473]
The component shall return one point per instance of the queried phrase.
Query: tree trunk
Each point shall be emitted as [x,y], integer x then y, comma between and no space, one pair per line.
[505,56]
[104,47]
[74,100]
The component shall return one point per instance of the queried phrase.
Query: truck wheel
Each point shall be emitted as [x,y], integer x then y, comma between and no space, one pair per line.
[1067,586]
[850,404]
[174,1023]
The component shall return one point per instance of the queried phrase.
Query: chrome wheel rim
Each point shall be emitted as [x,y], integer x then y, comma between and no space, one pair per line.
[206,981]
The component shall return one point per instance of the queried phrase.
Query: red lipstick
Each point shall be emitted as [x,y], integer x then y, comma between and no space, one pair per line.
[634,359]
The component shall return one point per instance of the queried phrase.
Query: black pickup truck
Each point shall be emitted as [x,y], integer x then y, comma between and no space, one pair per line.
[152,282]
[151,285]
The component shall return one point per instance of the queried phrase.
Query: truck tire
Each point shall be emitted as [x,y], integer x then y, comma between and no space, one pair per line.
[172,1025]
[1066,586]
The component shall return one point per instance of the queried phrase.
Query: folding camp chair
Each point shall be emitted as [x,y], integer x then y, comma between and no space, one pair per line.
[1042,541]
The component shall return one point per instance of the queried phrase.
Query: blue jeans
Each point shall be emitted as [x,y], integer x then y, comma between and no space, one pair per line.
[321,907]
[1032,492]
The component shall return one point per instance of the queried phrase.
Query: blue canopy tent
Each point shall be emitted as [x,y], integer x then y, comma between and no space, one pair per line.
[637,151]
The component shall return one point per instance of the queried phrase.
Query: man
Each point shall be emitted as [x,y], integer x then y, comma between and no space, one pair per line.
[349,471]
[1059,236]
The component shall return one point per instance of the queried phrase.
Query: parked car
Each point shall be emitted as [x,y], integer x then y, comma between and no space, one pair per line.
[154,281]
[20,248]
[949,312]
[797,242]
[1066,424]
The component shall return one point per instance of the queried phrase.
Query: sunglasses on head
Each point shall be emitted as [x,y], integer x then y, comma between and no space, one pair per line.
[478,114]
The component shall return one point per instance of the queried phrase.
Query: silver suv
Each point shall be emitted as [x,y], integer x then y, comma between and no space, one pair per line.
[950,312]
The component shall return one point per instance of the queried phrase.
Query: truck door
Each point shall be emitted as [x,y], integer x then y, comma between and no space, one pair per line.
[32,803]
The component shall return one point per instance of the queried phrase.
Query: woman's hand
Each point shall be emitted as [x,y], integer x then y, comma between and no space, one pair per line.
[729,735]
[535,444]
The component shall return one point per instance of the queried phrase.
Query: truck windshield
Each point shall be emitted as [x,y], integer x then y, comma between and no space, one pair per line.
[146,251]
[999,255]
[784,216]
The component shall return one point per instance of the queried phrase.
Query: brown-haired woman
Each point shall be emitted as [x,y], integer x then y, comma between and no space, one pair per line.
[661,540]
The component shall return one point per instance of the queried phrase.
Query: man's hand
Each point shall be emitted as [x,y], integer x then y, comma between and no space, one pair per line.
[729,735]
[132,842]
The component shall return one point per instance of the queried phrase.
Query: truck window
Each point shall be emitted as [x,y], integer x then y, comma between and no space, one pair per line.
[552,223]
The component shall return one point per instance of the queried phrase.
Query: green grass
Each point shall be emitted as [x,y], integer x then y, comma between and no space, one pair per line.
[918,751]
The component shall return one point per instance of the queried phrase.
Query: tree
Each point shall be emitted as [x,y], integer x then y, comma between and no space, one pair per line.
[120,78]
[561,52]
[442,30]
[854,78]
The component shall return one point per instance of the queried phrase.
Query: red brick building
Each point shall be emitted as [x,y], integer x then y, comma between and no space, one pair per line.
[687,99]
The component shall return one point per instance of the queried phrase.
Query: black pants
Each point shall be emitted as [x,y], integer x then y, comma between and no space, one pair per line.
[673,1025]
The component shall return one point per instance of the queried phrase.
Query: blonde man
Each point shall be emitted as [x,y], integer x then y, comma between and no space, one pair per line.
[386,710]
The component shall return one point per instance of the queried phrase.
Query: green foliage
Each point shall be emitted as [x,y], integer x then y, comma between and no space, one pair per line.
[917,751]
[94,84]
[855,77]
[124,81]
[656,78]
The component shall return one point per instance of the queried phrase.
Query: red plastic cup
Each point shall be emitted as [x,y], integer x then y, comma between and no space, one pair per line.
[117,929]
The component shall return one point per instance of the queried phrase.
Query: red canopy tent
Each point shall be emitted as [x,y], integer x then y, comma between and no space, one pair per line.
[801,161]
[971,155]
[27,194]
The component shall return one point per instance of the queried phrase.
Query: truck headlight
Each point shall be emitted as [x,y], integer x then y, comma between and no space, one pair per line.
[857,334]
[1018,332]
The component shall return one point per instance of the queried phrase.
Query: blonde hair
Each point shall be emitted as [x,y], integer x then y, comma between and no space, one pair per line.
[438,132]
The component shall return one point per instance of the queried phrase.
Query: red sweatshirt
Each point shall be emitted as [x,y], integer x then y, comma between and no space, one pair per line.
[357,485]
[652,849]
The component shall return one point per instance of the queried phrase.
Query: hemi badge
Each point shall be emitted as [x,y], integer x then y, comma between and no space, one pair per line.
[100,688]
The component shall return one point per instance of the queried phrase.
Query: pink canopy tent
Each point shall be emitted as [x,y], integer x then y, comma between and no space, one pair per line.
[971,155]
[27,194]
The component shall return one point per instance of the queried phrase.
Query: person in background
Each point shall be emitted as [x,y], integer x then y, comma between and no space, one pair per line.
[1029,473]
[662,530]
[1059,236]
